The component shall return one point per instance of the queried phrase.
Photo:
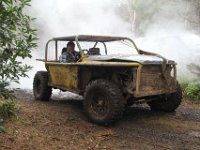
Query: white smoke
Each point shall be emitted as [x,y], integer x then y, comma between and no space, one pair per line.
[169,33]
[166,33]
[71,17]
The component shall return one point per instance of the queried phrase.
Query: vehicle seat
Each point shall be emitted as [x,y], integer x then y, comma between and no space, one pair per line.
[64,50]
[94,51]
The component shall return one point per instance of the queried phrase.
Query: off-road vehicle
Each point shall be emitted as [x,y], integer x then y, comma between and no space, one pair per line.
[111,74]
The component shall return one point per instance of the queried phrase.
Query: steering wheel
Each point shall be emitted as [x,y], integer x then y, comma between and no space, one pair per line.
[85,52]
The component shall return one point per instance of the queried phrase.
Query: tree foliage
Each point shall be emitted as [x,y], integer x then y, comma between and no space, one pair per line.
[17,39]
[138,13]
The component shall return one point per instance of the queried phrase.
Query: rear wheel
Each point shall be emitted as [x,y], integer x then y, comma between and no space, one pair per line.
[41,90]
[167,103]
[103,102]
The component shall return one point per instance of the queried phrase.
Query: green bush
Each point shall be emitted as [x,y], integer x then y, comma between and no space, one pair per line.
[184,84]
[6,93]
[193,90]
[7,109]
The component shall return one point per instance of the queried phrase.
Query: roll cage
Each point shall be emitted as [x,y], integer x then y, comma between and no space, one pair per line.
[87,38]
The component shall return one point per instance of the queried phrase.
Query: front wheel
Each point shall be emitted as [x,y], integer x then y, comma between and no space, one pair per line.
[103,102]
[167,103]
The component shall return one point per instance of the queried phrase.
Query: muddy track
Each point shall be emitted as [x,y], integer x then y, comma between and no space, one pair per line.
[61,124]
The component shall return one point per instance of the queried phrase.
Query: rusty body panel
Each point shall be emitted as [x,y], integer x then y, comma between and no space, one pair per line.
[148,80]
[63,77]
[66,75]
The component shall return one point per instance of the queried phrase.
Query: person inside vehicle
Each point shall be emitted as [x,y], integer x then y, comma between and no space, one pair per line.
[69,54]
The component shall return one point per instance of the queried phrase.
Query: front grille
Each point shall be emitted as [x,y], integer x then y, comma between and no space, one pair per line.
[153,82]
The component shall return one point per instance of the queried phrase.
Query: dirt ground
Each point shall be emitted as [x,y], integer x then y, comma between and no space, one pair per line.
[61,124]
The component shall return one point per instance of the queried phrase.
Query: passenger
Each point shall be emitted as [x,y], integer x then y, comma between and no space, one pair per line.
[69,54]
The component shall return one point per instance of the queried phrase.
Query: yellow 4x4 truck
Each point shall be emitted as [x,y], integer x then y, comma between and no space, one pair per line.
[111,74]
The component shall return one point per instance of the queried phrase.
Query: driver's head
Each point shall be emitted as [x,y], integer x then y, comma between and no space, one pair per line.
[70,46]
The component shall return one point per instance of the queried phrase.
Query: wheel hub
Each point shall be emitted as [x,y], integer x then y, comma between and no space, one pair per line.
[100,104]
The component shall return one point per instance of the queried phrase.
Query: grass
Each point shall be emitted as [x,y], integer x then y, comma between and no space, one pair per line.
[2,130]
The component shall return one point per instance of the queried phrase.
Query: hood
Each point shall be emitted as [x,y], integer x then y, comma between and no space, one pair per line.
[143,59]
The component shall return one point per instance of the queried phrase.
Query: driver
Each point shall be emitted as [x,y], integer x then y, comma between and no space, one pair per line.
[69,54]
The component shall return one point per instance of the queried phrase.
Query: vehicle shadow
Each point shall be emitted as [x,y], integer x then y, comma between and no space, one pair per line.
[138,112]
[76,104]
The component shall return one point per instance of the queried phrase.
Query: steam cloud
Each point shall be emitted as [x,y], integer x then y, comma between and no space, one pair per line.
[166,33]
